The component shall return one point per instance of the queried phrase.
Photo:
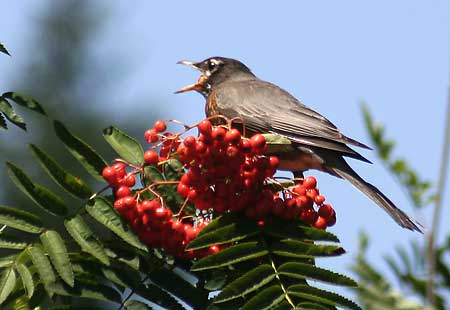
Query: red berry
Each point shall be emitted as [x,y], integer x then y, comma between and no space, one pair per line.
[218,133]
[213,249]
[312,193]
[232,151]
[151,157]
[258,142]
[190,142]
[109,174]
[326,211]
[160,126]
[274,162]
[233,136]
[123,191]
[151,135]
[183,190]
[245,146]
[308,215]
[129,180]
[320,223]
[319,199]
[205,127]
[331,220]
[120,170]
[309,182]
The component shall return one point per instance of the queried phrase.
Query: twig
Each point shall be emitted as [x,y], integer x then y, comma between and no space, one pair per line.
[438,207]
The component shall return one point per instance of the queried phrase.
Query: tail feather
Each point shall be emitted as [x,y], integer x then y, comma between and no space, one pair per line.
[347,173]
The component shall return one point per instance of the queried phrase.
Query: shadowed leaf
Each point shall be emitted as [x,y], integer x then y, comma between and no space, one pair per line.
[11,115]
[127,147]
[20,220]
[25,101]
[27,279]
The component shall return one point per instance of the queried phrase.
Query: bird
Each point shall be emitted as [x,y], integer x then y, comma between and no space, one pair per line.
[232,90]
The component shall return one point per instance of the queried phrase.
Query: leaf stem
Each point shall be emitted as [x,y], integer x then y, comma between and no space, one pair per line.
[438,206]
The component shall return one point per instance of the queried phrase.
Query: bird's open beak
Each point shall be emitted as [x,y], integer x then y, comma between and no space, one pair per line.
[199,86]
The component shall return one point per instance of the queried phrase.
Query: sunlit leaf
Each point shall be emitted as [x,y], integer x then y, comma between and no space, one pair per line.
[265,299]
[11,115]
[88,158]
[234,254]
[247,283]
[282,229]
[39,194]
[72,184]
[27,279]
[24,101]
[11,242]
[102,211]
[56,249]
[295,248]
[277,144]
[127,147]
[136,305]
[20,220]
[84,236]
[43,266]
[7,283]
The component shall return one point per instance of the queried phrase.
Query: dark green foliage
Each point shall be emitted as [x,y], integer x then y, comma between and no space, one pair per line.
[7,111]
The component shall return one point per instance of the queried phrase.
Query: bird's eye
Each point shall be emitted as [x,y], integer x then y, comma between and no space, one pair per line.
[211,65]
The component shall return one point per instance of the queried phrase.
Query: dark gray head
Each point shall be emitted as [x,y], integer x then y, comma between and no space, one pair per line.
[216,70]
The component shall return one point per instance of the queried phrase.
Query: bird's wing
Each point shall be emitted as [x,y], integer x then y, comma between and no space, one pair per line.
[267,108]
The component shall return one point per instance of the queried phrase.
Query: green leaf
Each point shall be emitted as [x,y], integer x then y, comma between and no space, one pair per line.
[321,296]
[232,255]
[42,264]
[306,305]
[11,242]
[302,270]
[173,169]
[158,296]
[88,158]
[85,238]
[238,230]
[56,248]
[127,147]
[25,101]
[72,184]
[136,305]
[277,144]
[20,220]
[178,286]
[282,229]
[102,211]
[294,248]
[3,122]
[87,289]
[7,283]
[27,279]
[265,299]
[152,174]
[39,194]
[11,115]
[7,260]
[4,50]
[247,283]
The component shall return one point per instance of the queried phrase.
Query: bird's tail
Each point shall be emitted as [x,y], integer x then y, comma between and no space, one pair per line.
[344,171]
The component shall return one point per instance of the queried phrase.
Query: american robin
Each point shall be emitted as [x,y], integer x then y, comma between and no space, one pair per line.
[232,90]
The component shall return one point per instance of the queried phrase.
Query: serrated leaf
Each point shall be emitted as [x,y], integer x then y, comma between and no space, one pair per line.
[7,283]
[7,260]
[85,238]
[43,197]
[158,296]
[4,50]
[11,242]
[11,115]
[247,283]
[179,287]
[321,296]
[232,255]
[25,101]
[27,279]
[86,155]
[20,220]
[265,299]
[306,305]
[294,248]
[136,305]
[87,289]
[56,249]
[282,229]
[220,221]
[302,270]
[102,211]
[127,147]
[277,144]
[152,174]
[72,184]
[238,230]
[42,264]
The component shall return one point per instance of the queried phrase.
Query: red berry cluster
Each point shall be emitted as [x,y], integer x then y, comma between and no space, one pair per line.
[223,172]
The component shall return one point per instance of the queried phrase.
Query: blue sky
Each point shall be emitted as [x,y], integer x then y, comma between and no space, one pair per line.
[331,55]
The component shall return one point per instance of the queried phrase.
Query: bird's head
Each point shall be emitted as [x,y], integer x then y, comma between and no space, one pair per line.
[215,70]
